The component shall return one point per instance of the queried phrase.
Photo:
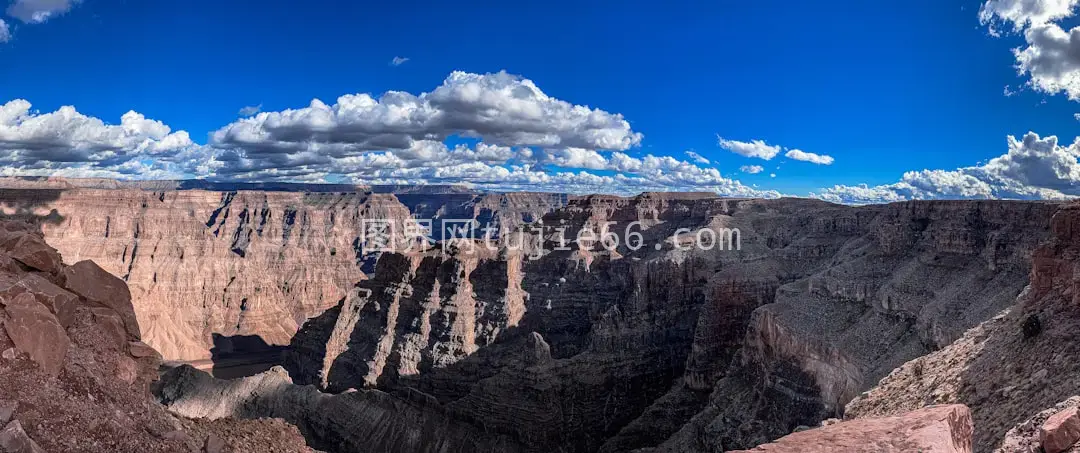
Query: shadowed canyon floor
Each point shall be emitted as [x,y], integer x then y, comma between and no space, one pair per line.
[582,349]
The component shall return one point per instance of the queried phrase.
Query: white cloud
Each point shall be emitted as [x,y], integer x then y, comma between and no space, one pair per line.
[577,158]
[798,154]
[1023,13]
[754,148]
[398,61]
[38,11]
[1076,116]
[1050,57]
[5,32]
[1033,168]
[501,109]
[772,175]
[1051,60]
[66,140]
[250,110]
[516,138]
[697,158]
[752,169]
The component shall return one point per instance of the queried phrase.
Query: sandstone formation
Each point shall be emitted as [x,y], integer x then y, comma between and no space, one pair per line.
[710,350]
[74,375]
[936,429]
[1010,369]
[230,265]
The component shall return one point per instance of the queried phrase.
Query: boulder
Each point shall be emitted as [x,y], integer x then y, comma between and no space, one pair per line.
[95,284]
[935,429]
[1061,431]
[62,303]
[37,332]
[7,410]
[13,439]
[32,251]
[214,444]
[138,350]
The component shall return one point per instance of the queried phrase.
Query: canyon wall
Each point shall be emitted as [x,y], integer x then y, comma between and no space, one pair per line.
[710,350]
[234,266]
[546,348]
[1010,368]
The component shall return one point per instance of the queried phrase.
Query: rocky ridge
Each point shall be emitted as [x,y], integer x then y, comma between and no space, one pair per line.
[75,375]
[1013,370]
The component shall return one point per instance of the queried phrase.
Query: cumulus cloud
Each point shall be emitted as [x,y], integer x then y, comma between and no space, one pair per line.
[501,109]
[250,110]
[798,154]
[5,32]
[1023,13]
[491,131]
[752,169]
[1033,168]
[398,61]
[753,148]
[697,158]
[68,140]
[38,11]
[1051,59]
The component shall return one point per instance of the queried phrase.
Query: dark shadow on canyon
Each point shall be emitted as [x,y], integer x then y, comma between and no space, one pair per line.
[242,355]
[28,205]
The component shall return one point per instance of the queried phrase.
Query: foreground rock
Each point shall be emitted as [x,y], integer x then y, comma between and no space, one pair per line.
[937,429]
[74,375]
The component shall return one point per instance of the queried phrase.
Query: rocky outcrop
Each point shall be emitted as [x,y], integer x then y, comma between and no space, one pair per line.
[206,261]
[75,374]
[937,429]
[1009,369]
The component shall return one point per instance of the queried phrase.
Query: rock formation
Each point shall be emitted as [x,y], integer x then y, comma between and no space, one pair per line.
[651,345]
[235,264]
[937,429]
[74,375]
[710,350]
[1015,370]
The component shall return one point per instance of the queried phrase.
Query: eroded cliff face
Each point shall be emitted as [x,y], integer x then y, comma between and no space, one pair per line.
[583,349]
[207,265]
[710,350]
[1009,369]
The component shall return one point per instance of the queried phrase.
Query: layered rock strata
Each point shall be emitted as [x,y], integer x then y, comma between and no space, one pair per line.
[206,268]
[1010,369]
[710,350]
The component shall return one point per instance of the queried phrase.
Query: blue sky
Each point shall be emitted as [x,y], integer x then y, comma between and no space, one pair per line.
[883,88]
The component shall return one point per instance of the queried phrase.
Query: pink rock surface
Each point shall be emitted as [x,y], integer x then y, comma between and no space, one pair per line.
[1061,431]
[935,429]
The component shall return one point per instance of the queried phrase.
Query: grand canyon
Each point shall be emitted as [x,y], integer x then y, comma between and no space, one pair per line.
[223,313]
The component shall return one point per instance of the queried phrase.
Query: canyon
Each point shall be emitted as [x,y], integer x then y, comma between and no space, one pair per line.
[583,348]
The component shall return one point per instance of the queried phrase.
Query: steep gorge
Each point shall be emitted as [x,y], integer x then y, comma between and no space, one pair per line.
[582,349]
[675,350]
